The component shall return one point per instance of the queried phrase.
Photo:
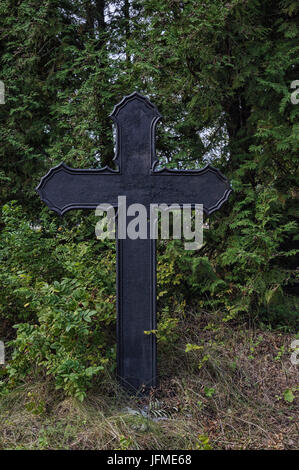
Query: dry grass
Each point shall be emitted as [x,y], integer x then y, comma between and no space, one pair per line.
[236,398]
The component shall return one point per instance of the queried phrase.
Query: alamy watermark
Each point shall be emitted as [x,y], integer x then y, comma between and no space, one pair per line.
[295,94]
[2,353]
[2,92]
[187,222]
[295,353]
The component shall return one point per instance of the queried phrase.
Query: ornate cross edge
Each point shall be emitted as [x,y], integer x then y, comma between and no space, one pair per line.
[207,168]
[107,170]
[118,107]
[72,171]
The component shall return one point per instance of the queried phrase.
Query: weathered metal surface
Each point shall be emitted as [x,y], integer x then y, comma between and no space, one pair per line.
[64,188]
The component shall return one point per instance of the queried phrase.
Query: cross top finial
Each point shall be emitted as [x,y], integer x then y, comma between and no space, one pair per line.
[132,97]
[136,119]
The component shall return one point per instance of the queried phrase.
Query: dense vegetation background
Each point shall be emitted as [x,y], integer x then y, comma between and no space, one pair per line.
[220,73]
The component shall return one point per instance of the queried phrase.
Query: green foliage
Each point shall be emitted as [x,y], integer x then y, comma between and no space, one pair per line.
[66,327]
[209,392]
[288,395]
[203,443]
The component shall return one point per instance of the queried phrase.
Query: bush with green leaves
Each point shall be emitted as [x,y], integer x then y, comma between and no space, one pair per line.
[59,295]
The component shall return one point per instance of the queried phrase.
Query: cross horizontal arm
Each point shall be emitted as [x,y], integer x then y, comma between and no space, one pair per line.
[64,188]
[206,186]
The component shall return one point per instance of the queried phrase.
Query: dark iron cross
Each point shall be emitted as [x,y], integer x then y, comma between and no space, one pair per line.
[64,188]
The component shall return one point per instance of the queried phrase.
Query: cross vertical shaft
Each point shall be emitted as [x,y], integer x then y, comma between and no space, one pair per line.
[136,259]
[136,305]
